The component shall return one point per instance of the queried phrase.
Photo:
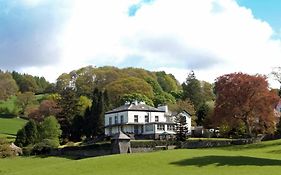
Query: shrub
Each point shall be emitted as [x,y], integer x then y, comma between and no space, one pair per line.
[5,149]
[152,143]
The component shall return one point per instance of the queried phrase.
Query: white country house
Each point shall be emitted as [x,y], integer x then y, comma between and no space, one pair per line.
[143,121]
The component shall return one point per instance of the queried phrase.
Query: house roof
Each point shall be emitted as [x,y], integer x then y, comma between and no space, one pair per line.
[134,107]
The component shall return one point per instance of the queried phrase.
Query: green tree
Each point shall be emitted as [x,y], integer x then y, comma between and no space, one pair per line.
[136,96]
[202,114]
[119,88]
[181,128]
[192,90]
[94,117]
[50,129]
[69,105]
[21,138]
[8,86]
[24,100]
[83,104]
[28,135]
[167,81]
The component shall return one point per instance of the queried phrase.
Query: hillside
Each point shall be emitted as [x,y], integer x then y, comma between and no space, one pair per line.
[253,159]
[10,126]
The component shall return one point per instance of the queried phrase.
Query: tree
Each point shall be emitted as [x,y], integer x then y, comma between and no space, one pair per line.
[94,117]
[136,96]
[8,86]
[247,99]
[124,86]
[28,135]
[202,114]
[50,129]
[46,108]
[69,104]
[24,100]
[192,90]
[181,128]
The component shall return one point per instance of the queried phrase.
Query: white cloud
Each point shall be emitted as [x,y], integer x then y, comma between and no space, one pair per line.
[213,37]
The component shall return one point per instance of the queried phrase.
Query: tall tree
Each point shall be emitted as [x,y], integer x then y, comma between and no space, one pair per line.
[69,109]
[247,99]
[94,116]
[8,86]
[192,90]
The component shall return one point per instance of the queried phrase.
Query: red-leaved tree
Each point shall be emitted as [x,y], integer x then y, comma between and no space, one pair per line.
[246,99]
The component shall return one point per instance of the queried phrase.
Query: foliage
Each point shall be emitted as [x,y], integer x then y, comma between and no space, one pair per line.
[136,96]
[5,149]
[181,128]
[8,86]
[69,104]
[33,133]
[46,108]
[245,98]
[29,83]
[83,104]
[164,98]
[167,81]
[207,91]
[50,129]
[24,100]
[192,90]
[120,87]
[152,143]
[202,114]
[94,117]
[28,135]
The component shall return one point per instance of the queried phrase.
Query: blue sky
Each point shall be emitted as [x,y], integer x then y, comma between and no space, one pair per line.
[212,37]
[268,10]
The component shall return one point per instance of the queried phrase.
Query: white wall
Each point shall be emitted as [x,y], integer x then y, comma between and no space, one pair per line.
[142,114]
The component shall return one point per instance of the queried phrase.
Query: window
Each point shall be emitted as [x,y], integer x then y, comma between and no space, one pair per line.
[149,128]
[110,121]
[116,119]
[146,118]
[122,119]
[136,118]
[156,119]
[160,127]
[170,127]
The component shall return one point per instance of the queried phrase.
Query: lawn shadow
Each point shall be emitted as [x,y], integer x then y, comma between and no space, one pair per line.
[227,161]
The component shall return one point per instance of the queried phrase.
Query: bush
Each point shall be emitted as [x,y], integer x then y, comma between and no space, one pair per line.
[44,147]
[5,149]
[153,143]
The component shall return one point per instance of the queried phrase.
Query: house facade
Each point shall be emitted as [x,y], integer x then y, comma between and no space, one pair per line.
[139,119]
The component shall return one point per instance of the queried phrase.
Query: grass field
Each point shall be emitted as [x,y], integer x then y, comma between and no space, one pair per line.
[10,126]
[257,159]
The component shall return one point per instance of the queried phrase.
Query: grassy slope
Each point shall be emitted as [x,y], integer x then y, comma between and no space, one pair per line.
[255,159]
[10,126]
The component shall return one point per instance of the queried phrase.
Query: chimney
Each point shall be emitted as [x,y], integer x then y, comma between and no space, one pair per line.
[135,102]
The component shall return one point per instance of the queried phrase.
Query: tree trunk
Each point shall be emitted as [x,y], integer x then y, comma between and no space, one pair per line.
[248,127]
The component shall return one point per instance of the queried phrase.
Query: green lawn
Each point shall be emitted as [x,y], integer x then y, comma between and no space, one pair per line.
[257,159]
[10,126]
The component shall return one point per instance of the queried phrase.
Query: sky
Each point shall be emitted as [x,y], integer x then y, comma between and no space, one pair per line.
[212,37]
